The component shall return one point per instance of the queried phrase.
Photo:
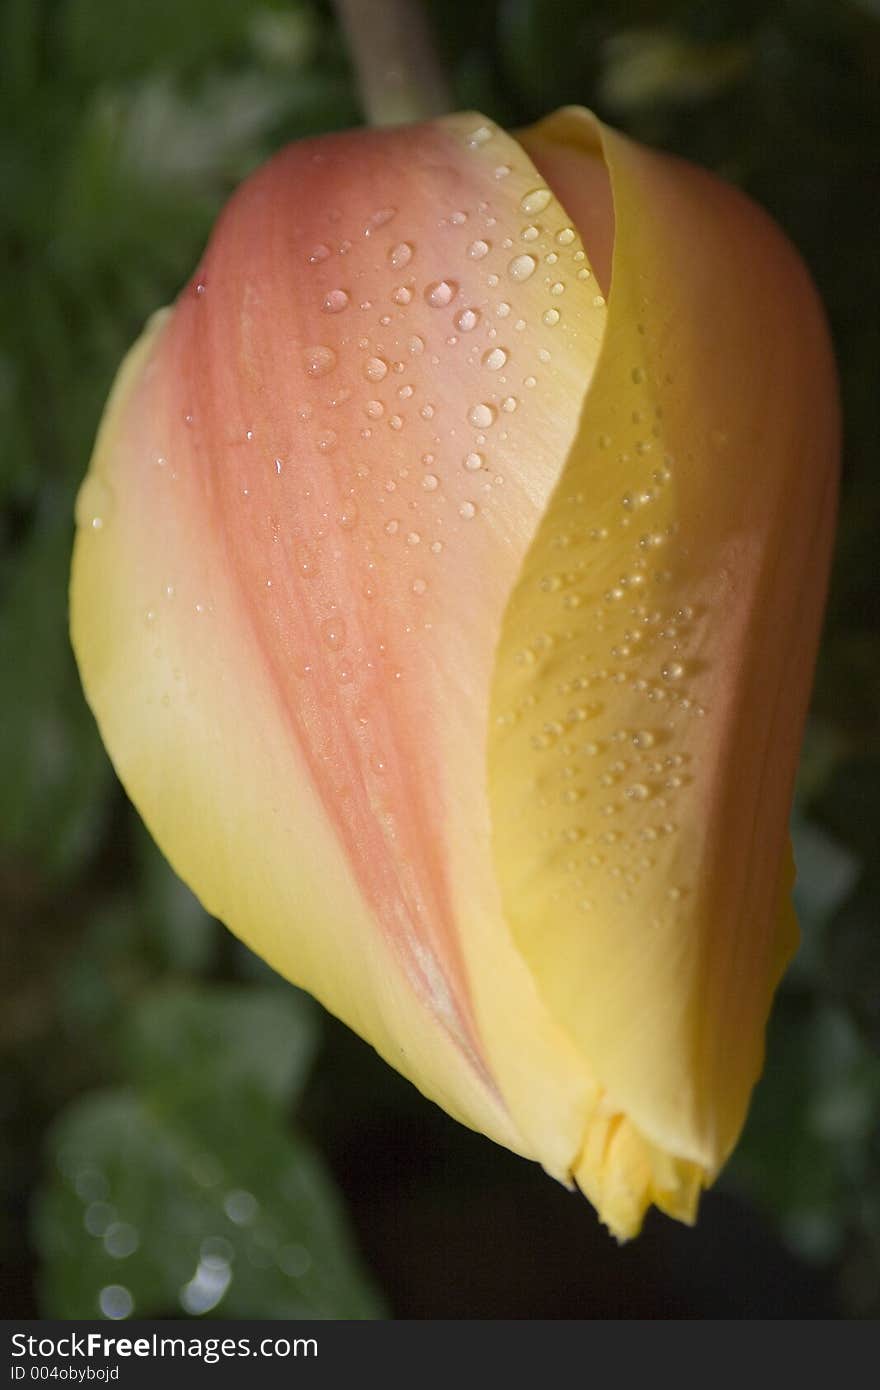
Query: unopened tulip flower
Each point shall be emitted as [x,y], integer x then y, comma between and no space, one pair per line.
[447,588]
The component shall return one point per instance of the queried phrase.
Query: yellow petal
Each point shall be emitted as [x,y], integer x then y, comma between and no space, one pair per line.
[654,668]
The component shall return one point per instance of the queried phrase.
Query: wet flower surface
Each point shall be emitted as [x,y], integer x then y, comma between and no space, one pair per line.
[447,589]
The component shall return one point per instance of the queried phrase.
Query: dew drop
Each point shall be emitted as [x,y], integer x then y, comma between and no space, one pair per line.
[416,345]
[521,267]
[467,320]
[319,361]
[566,236]
[550,317]
[478,249]
[419,586]
[494,359]
[94,503]
[473,461]
[481,416]
[326,441]
[402,295]
[335,301]
[333,633]
[318,253]
[375,369]
[637,791]
[440,293]
[672,671]
[400,255]
[307,562]
[375,409]
[467,510]
[480,136]
[430,482]
[530,233]
[380,218]
[536,201]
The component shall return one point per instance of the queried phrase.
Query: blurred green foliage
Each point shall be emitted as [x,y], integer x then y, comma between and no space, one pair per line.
[151,1136]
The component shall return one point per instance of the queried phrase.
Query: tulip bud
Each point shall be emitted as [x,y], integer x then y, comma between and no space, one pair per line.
[447,588]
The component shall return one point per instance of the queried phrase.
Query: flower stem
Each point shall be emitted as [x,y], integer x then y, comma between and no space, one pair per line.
[399,74]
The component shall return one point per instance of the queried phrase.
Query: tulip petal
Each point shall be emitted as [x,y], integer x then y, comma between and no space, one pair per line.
[654,666]
[391,489]
[315,483]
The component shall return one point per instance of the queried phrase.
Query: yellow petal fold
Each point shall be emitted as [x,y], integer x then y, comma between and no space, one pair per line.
[654,668]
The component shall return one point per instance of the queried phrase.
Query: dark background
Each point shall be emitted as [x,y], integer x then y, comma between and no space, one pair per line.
[183,1132]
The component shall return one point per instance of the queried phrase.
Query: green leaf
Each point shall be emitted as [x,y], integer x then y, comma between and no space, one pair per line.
[186,1190]
[55,772]
[147,1214]
[193,1046]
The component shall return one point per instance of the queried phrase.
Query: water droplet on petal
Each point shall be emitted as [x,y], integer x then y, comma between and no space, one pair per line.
[319,361]
[440,293]
[467,320]
[521,267]
[473,461]
[478,249]
[379,219]
[550,317]
[637,791]
[335,301]
[467,510]
[333,633]
[319,253]
[375,369]
[481,416]
[494,359]
[536,201]
[94,503]
[400,255]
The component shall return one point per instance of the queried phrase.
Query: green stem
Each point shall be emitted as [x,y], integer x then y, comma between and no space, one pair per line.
[399,75]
